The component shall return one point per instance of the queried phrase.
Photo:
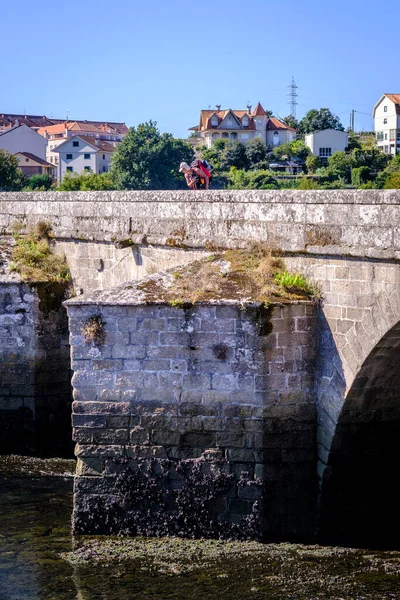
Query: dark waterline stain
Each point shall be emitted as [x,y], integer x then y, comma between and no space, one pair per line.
[35,517]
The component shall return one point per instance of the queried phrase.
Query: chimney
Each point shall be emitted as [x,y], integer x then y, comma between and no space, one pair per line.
[218,106]
[249,108]
[16,122]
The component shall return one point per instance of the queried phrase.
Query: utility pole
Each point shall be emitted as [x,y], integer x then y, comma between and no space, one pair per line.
[293,95]
[352,120]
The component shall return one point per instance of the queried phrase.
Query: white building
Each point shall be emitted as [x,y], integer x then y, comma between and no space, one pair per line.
[21,138]
[57,134]
[242,125]
[387,123]
[326,142]
[84,153]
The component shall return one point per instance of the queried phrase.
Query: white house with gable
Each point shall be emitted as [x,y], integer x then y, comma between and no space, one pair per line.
[21,138]
[83,153]
[326,142]
[387,123]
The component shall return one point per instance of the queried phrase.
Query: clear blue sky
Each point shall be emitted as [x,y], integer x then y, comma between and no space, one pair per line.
[131,60]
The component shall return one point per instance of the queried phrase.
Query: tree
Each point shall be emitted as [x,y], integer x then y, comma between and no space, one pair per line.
[251,180]
[291,121]
[307,184]
[149,160]
[340,165]
[360,175]
[11,177]
[41,181]
[370,157]
[315,120]
[313,163]
[296,148]
[215,155]
[256,151]
[393,182]
[85,182]
[235,156]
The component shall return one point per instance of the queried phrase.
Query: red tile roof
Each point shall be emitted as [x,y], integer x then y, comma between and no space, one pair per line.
[37,121]
[205,119]
[274,123]
[259,111]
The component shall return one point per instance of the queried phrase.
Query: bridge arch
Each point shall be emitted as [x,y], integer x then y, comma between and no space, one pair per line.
[359,498]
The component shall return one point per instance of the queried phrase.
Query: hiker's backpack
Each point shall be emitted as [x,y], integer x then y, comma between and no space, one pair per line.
[203,165]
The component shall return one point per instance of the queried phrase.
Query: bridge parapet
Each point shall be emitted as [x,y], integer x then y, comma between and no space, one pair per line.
[334,222]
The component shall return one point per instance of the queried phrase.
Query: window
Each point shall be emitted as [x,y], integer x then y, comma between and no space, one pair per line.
[86,157]
[385,121]
[385,136]
[245,121]
[70,169]
[386,149]
[75,144]
[104,169]
[325,152]
[225,135]
[379,136]
[69,156]
[385,109]
[104,157]
[214,122]
[88,169]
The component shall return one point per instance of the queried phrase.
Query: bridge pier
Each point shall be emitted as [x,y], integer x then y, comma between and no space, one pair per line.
[197,421]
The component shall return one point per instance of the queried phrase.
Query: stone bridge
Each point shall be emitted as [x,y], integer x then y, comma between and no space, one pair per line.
[348,241]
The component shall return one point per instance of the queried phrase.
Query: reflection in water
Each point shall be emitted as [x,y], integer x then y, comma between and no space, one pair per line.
[35,530]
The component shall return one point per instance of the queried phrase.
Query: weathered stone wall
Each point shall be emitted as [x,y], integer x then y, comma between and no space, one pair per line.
[205,414]
[35,389]
[355,222]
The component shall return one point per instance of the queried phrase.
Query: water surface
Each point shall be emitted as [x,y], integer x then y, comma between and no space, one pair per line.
[40,561]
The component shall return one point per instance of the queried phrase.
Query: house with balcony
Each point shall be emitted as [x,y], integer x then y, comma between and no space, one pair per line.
[386,115]
[242,125]
[81,153]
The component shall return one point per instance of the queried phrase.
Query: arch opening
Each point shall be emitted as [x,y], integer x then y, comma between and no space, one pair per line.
[359,504]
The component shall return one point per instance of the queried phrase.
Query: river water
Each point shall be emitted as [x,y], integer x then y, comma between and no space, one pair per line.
[39,560]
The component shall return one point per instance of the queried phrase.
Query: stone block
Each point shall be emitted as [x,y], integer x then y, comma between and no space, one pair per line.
[139,435]
[127,324]
[193,381]
[164,437]
[137,380]
[223,382]
[118,421]
[198,439]
[130,352]
[163,352]
[144,338]
[88,420]
[240,455]
[110,436]
[132,365]
[152,324]
[178,366]
[107,365]
[230,440]
[192,409]
[156,364]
